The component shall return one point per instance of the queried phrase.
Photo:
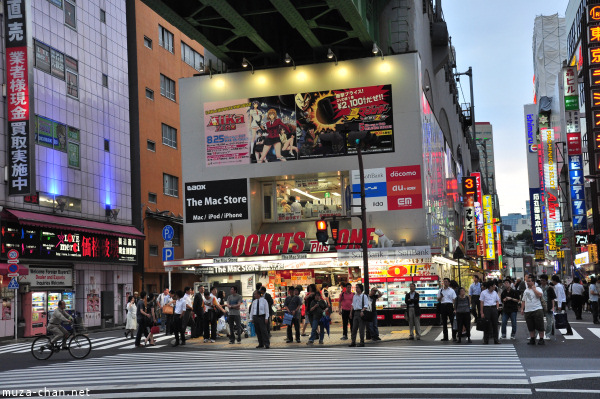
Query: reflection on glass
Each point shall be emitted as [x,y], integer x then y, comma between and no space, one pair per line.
[309,198]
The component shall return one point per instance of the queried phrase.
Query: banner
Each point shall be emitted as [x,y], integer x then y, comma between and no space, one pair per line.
[298,126]
[489,227]
[212,201]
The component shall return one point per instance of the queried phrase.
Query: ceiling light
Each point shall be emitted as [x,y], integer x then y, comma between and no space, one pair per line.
[305,194]
[245,64]
[331,54]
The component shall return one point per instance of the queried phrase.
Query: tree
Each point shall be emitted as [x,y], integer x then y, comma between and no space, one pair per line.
[525,236]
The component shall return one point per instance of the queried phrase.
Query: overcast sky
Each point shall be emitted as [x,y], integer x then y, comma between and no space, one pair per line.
[495,38]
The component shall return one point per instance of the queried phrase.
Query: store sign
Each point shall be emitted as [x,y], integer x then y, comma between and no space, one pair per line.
[20,158]
[212,201]
[574,143]
[537,230]
[582,259]
[570,88]
[577,186]
[531,139]
[469,185]
[42,243]
[550,178]
[46,277]
[489,227]
[582,239]
[418,254]
[389,189]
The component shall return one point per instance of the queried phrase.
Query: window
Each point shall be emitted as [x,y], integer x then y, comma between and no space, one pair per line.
[149,94]
[148,42]
[176,236]
[107,145]
[167,87]
[192,57]
[72,77]
[165,38]
[169,136]
[153,250]
[42,56]
[170,185]
[104,80]
[57,67]
[102,16]
[151,145]
[70,17]
[152,198]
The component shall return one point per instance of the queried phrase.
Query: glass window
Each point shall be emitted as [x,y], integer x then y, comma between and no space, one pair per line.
[167,87]
[57,64]
[149,94]
[72,84]
[169,136]
[152,198]
[148,42]
[165,39]
[107,145]
[102,16]
[153,250]
[170,185]
[57,3]
[70,16]
[104,80]
[151,145]
[42,56]
[309,198]
[267,189]
[192,57]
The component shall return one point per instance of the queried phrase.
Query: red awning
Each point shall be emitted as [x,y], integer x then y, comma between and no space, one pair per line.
[23,270]
[87,226]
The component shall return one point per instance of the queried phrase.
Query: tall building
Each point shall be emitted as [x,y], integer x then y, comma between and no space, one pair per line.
[67,203]
[487,166]
[159,56]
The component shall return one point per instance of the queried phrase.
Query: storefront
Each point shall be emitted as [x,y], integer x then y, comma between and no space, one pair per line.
[86,264]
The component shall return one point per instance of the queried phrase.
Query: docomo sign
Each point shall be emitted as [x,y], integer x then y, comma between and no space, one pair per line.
[282,243]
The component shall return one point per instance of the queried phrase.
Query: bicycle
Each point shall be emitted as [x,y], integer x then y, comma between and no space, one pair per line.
[79,344]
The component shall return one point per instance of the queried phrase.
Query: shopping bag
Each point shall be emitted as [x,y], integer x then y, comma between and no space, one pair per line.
[221,324]
[560,321]
[154,330]
[454,325]
[252,329]
[481,324]
[287,319]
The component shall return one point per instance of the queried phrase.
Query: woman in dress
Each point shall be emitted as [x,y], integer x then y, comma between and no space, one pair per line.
[255,115]
[272,127]
[287,143]
[149,319]
[131,325]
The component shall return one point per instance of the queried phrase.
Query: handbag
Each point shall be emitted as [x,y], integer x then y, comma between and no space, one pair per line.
[154,330]
[560,321]
[481,324]
[367,314]
[287,319]
[167,309]
[454,324]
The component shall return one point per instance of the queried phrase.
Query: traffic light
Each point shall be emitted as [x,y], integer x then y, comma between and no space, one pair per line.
[322,235]
[335,229]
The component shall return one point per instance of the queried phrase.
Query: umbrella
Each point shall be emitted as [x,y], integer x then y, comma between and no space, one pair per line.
[325,322]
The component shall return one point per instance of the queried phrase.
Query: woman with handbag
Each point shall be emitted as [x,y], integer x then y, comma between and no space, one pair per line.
[168,311]
[149,319]
[211,305]
[317,307]
[131,325]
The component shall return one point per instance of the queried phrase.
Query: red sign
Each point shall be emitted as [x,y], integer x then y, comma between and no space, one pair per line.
[380,317]
[574,143]
[398,279]
[404,187]
[425,278]
[377,279]
[398,317]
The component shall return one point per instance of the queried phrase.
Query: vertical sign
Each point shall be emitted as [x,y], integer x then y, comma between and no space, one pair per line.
[576,182]
[537,228]
[489,227]
[470,191]
[20,179]
[550,178]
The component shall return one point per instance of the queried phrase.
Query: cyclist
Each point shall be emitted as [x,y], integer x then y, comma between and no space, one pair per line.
[54,325]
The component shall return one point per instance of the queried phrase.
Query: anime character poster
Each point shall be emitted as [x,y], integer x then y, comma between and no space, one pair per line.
[272,129]
[227,133]
[325,119]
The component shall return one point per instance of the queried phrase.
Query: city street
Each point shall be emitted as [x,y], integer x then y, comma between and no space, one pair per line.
[398,368]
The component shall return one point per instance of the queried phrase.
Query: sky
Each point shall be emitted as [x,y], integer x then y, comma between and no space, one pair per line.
[495,38]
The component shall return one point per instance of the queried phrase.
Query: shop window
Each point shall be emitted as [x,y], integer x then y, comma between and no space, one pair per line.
[153,250]
[52,201]
[152,198]
[151,146]
[148,42]
[309,198]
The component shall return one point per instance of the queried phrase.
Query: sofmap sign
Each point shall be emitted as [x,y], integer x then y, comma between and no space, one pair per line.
[212,201]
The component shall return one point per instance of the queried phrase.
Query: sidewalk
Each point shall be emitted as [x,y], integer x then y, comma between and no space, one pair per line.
[278,338]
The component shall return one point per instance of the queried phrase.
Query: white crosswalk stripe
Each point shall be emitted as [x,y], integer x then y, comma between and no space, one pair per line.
[595,331]
[575,335]
[475,335]
[390,370]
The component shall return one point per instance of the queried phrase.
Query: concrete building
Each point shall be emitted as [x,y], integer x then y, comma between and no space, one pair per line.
[487,166]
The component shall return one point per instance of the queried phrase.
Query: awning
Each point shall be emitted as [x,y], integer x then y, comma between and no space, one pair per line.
[87,226]
[23,270]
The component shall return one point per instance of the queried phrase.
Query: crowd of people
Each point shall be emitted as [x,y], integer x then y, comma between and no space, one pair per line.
[541,301]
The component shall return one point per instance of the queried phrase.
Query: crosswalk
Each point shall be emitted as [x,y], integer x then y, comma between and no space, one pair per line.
[357,372]
[595,333]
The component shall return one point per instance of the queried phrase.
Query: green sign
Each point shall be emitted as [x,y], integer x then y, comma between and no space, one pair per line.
[44,132]
[327,195]
[73,133]
[73,155]
[572,103]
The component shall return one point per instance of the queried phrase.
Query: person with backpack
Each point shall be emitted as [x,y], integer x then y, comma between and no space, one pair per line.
[345,307]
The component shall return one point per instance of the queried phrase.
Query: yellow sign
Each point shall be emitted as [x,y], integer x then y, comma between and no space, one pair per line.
[560,254]
[593,251]
[552,241]
[489,227]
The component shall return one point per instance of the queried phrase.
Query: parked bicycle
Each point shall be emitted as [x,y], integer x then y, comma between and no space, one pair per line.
[78,344]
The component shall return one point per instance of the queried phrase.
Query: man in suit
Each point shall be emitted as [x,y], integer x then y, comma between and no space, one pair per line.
[413,312]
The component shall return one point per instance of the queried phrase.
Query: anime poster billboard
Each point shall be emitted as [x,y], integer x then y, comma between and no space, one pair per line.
[298,126]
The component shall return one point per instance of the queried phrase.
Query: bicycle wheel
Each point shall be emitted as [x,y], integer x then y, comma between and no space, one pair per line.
[41,348]
[80,346]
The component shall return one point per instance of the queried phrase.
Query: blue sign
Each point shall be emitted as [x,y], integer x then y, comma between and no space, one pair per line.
[14,284]
[576,181]
[168,233]
[168,254]
[378,189]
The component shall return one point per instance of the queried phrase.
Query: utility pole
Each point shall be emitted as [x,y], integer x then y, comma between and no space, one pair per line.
[363,218]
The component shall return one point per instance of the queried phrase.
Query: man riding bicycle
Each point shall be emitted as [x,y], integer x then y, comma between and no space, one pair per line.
[55,327]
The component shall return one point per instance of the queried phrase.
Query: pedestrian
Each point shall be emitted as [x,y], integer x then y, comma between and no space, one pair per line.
[178,313]
[189,307]
[490,301]
[234,302]
[260,317]
[593,290]
[308,298]
[360,304]
[520,286]
[446,296]
[150,319]
[269,299]
[140,319]
[198,309]
[317,307]
[293,306]
[414,312]
[131,324]
[549,298]
[161,301]
[211,305]
[345,307]
[531,307]
[136,297]
[462,311]
[561,300]
[577,300]
[510,306]
[474,292]
[373,329]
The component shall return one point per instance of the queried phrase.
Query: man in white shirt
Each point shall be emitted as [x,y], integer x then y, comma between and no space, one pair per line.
[561,300]
[178,313]
[260,317]
[474,293]
[594,299]
[446,296]
[161,301]
[489,311]
[531,307]
[577,301]
[360,304]
[187,315]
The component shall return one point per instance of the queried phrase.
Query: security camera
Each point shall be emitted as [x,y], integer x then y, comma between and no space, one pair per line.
[427,88]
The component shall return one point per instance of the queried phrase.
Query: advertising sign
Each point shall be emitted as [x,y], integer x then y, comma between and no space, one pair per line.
[46,277]
[211,201]
[550,178]
[298,126]
[570,88]
[489,227]
[389,189]
[469,185]
[577,184]
[537,228]
[20,176]
[574,143]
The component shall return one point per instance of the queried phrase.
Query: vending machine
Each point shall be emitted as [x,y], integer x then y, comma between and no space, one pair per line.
[35,313]
[53,299]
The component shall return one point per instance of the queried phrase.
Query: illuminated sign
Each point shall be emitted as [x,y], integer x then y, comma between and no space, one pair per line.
[537,229]
[489,227]
[550,178]
[582,259]
[469,185]
[570,88]
[595,76]
[531,141]
[577,184]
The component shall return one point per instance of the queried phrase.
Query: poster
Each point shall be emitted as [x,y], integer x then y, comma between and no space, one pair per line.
[248,284]
[298,126]
[212,201]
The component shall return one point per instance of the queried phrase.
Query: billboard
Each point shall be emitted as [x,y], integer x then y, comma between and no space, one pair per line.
[537,227]
[298,126]
[212,201]
[576,183]
[531,143]
[550,178]
[469,185]
[489,227]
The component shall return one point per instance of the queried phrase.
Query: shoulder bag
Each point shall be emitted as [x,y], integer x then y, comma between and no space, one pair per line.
[367,314]
[544,304]
[167,309]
